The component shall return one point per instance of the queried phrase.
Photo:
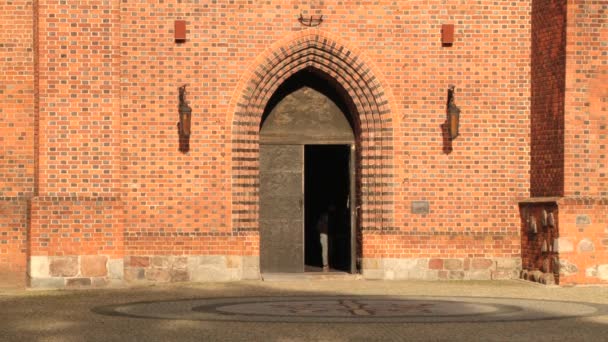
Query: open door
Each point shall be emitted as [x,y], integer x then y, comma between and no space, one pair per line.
[281,208]
[328,193]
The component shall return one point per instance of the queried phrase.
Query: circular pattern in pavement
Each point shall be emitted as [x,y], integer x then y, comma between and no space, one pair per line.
[356,309]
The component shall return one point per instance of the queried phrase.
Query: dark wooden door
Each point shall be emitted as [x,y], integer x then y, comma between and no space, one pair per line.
[281,208]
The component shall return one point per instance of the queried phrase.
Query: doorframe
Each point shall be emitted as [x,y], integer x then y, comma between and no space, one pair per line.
[353,204]
[353,199]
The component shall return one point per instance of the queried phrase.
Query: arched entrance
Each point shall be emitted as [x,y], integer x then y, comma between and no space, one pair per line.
[307,178]
[344,70]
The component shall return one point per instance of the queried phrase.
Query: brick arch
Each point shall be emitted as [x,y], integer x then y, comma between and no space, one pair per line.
[372,117]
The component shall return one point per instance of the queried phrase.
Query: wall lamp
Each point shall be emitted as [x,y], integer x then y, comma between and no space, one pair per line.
[185,120]
[453,114]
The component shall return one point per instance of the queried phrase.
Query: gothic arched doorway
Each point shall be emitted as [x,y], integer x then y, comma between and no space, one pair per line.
[342,69]
[307,177]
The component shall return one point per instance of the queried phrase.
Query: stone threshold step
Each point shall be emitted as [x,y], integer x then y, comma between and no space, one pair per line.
[306,276]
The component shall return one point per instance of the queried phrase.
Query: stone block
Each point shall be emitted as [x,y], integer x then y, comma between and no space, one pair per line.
[160,275]
[591,272]
[93,266]
[482,264]
[504,274]
[435,264]
[179,262]
[583,220]
[64,266]
[371,263]
[563,245]
[39,267]
[115,283]
[251,261]
[567,268]
[211,268]
[251,273]
[233,261]
[480,275]
[160,261]
[47,283]
[116,268]
[373,274]
[452,264]
[403,264]
[416,274]
[456,275]
[134,274]
[508,263]
[78,282]
[428,274]
[138,261]
[442,274]
[602,271]
[212,260]
[250,267]
[585,245]
[100,282]
[179,275]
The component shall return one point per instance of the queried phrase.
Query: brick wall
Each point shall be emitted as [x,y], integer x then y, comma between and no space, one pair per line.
[109,149]
[583,245]
[16,134]
[569,137]
[586,132]
[13,241]
[583,211]
[548,91]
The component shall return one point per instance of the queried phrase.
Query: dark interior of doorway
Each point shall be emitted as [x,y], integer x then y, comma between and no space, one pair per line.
[327,183]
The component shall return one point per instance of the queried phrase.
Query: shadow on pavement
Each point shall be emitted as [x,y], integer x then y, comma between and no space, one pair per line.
[70,316]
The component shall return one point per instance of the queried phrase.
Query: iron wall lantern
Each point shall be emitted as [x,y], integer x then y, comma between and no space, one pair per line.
[453,114]
[185,113]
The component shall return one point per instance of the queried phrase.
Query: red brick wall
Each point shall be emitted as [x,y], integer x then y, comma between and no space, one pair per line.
[584,210]
[78,210]
[16,134]
[109,78]
[586,132]
[64,226]
[13,241]
[472,190]
[548,94]
[79,98]
[584,231]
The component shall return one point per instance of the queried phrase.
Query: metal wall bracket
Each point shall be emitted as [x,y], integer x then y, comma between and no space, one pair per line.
[312,21]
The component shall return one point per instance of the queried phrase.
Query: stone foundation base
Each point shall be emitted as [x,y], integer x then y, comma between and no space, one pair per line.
[441,269]
[101,271]
[74,271]
[204,268]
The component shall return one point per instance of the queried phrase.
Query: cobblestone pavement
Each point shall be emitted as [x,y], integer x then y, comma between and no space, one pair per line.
[331,310]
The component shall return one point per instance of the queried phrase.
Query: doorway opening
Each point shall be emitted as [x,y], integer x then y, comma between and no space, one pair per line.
[327,191]
[307,164]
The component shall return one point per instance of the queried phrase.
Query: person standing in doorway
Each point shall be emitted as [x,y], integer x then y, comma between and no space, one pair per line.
[323,226]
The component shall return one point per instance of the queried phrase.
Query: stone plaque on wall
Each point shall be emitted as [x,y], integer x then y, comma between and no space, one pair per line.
[420,207]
